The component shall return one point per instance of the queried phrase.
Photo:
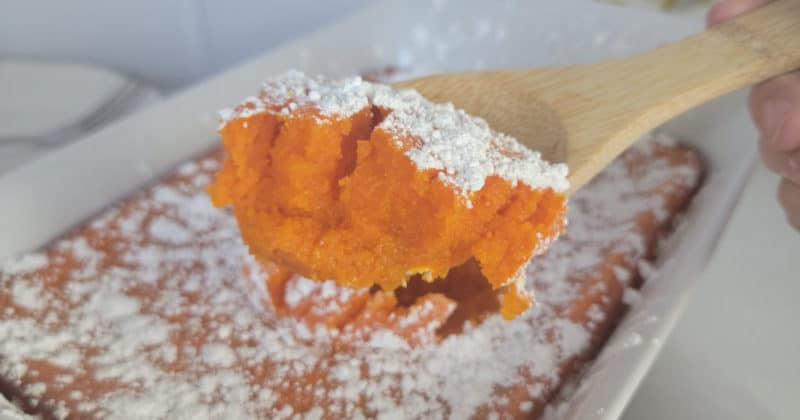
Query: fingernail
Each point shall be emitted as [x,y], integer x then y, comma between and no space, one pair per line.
[775,115]
[793,163]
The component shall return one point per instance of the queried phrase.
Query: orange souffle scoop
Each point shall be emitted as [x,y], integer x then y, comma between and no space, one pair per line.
[367,185]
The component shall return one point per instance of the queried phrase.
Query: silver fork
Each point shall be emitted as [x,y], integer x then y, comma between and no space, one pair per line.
[104,113]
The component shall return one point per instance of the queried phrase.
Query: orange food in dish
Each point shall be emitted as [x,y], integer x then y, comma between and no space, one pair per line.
[149,309]
[363,191]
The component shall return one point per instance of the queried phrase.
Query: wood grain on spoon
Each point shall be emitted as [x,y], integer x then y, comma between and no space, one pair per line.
[586,115]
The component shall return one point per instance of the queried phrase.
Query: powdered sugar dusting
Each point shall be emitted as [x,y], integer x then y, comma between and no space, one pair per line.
[293,89]
[25,264]
[27,296]
[139,319]
[463,148]
[217,354]
[9,411]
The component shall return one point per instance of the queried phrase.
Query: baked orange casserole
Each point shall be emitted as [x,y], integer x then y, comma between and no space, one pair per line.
[157,309]
[366,185]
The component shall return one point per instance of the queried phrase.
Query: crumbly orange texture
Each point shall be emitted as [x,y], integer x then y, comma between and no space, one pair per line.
[338,198]
[360,311]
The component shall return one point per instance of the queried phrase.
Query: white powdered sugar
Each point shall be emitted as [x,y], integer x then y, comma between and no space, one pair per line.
[631,296]
[164,229]
[27,296]
[25,264]
[463,148]
[146,313]
[9,411]
[218,354]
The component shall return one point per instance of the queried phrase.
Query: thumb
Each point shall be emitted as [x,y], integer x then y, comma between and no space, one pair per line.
[728,9]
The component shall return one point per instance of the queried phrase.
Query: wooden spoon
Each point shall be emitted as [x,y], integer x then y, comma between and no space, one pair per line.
[586,115]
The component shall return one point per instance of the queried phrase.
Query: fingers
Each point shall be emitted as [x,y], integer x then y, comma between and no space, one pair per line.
[789,197]
[785,164]
[775,107]
[727,9]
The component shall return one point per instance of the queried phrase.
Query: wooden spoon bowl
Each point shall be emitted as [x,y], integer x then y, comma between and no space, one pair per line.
[586,115]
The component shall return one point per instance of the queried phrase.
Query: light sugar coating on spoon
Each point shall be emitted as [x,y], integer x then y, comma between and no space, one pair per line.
[368,185]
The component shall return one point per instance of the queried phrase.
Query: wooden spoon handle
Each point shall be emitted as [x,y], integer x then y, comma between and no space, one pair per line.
[744,51]
[765,42]
[635,94]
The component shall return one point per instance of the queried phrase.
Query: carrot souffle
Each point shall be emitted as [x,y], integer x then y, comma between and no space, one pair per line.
[373,246]
[367,185]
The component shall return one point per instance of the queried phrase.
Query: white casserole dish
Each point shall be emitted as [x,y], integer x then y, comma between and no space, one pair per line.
[52,194]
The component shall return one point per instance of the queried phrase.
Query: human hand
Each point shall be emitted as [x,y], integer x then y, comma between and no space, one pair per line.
[775,108]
